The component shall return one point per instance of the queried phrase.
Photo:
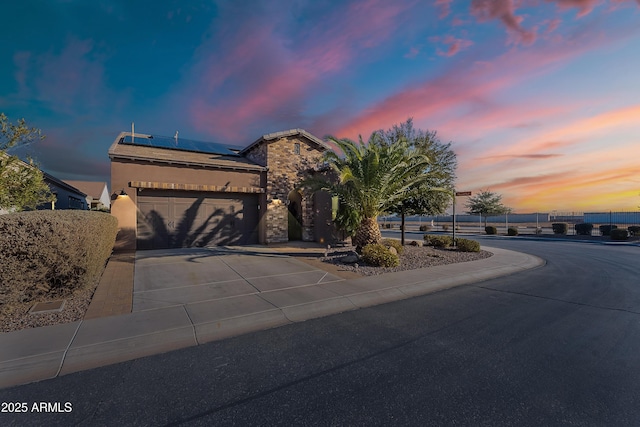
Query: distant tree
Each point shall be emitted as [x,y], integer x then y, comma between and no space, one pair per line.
[486,203]
[432,195]
[22,185]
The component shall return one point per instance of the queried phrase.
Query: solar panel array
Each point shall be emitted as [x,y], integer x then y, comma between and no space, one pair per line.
[178,144]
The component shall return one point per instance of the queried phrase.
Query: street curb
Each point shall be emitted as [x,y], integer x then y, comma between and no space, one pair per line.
[104,341]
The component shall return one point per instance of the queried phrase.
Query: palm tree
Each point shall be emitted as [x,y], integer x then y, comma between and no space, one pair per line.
[371,178]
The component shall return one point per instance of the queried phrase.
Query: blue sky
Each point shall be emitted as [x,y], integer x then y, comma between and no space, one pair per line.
[540,98]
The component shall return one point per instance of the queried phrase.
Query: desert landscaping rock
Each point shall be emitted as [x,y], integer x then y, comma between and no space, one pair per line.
[412,258]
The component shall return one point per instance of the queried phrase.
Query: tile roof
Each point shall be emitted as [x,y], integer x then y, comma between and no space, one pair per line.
[91,188]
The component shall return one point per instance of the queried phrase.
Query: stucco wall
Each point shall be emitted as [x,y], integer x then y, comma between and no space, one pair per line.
[123,172]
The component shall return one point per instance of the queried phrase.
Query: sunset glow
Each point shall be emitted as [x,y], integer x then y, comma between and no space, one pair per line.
[540,100]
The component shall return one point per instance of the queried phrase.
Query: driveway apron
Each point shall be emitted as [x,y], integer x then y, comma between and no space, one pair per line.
[165,278]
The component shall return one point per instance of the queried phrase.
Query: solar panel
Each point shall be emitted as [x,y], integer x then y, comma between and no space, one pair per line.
[178,144]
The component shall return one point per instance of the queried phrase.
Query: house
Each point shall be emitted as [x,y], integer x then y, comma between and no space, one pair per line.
[67,196]
[173,192]
[97,193]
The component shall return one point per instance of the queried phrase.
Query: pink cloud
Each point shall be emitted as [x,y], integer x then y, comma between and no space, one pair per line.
[504,10]
[585,6]
[272,73]
[458,88]
[413,52]
[444,6]
[455,45]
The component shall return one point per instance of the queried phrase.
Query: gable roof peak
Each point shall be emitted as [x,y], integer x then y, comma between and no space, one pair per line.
[284,134]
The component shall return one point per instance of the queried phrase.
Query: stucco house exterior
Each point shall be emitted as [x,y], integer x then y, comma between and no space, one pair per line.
[172,192]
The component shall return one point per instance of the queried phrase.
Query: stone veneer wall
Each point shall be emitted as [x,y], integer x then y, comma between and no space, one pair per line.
[286,170]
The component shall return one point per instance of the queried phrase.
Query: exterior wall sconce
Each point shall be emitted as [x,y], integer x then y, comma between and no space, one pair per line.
[122,194]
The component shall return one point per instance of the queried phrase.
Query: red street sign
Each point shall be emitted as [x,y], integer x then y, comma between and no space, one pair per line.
[463,193]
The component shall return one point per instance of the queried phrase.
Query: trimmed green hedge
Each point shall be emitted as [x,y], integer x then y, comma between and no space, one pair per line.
[634,230]
[467,245]
[584,229]
[438,241]
[52,252]
[378,255]
[560,227]
[490,229]
[619,234]
[605,230]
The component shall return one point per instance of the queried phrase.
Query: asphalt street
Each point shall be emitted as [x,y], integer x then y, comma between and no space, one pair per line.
[557,345]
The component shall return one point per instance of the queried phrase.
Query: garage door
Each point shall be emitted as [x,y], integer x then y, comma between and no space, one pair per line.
[174,219]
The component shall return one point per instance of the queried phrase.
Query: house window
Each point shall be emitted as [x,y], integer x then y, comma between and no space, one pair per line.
[296,148]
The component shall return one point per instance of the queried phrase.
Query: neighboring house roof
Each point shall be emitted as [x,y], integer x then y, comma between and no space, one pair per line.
[284,134]
[91,188]
[150,153]
[52,180]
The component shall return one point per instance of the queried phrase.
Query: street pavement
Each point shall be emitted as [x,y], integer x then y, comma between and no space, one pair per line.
[556,345]
[189,297]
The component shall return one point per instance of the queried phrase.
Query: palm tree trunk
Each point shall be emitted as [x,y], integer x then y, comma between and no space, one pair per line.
[367,232]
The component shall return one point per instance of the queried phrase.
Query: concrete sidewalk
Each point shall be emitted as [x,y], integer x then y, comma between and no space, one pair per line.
[192,296]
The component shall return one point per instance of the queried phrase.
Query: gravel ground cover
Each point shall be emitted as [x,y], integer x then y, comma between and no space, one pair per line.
[74,309]
[413,257]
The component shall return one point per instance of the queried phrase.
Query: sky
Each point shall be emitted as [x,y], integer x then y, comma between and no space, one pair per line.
[540,99]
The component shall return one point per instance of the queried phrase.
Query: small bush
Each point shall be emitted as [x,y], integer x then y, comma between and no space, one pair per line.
[393,243]
[378,255]
[512,231]
[52,252]
[467,245]
[415,243]
[605,230]
[445,227]
[490,229]
[425,228]
[584,229]
[619,234]
[634,230]
[560,227]
[538,230]
[438,241]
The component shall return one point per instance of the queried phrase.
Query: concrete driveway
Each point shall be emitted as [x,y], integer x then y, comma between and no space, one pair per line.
[170,277]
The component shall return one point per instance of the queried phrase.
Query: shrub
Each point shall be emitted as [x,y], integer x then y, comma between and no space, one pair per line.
[538,230]
[512,231]
[438,241]
[425,228]
[560,227]
[619,234]
[584,229]
[467,245]
[634,230]
[445,227]
[378,255]
[415,243]
[393,243]
[53,252]
[605,230]
[490,229]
